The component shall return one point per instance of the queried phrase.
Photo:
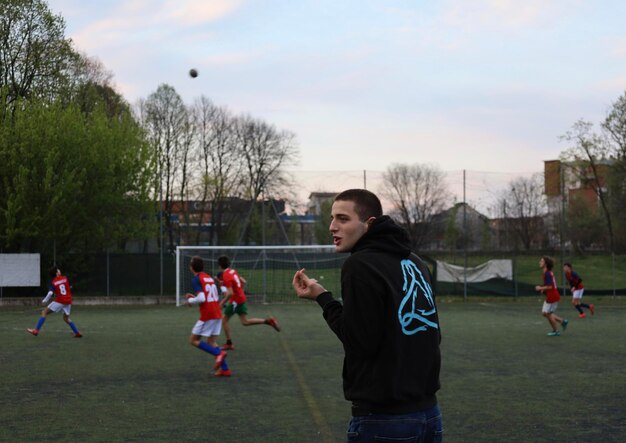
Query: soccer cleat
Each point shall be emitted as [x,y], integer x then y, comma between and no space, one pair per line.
[273,323]
[228,347]
[219,359]
[581,315]
[564,324]
[222,373]
[554,334]
[592,309]
[35,332]
[78,335]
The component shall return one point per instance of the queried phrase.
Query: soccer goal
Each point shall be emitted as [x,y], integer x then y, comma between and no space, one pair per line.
[268,270]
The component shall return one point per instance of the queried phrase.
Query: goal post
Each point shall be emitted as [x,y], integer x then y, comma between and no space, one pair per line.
[268,270]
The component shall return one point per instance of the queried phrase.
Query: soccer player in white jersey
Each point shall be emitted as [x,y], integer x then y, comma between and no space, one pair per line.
[205,295]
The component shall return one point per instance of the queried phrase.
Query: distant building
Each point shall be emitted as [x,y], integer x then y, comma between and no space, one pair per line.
[192,220]
[316,199]
[563,183]
[448,228]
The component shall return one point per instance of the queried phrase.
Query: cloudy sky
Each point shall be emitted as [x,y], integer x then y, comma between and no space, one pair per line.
[482,85]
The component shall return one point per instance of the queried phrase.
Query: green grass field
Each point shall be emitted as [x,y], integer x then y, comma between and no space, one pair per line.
[134,377]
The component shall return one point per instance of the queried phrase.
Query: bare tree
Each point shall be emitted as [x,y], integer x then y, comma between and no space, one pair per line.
[265,153]
[418,192]
[221,166]
[170,132]
[523,206]
[615,127]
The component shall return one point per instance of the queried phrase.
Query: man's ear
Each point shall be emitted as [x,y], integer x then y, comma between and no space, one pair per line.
[369,222]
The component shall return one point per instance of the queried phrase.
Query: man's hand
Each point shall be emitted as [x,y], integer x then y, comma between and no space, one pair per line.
[306,287]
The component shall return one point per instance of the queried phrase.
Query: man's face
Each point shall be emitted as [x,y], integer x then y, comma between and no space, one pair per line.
[542,263]
[345,226]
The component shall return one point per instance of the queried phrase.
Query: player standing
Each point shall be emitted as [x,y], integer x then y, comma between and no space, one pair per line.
[552,297]
[577,288]
[387,322]
[61,290]
[234,301]
[210,323]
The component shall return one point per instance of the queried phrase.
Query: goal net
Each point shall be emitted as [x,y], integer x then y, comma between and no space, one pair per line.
[268,270]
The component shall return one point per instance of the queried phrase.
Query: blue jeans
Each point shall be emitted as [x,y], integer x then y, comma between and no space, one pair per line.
[423,426]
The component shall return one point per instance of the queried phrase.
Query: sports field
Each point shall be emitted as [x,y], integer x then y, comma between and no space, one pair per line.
[134,377]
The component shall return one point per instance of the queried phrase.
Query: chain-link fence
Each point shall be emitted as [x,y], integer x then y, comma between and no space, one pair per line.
[485,195]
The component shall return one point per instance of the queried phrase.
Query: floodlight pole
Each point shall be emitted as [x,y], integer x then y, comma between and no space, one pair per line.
[263,244]
[464,241]
[562,225]
[161,226]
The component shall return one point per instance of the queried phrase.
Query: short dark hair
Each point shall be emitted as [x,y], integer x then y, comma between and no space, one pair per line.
[549,262]
[224,262]
[366,203]
[196,263]
[569,265]
[53,271]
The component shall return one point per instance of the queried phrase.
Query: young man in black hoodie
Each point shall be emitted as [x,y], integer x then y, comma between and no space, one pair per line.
[388,324]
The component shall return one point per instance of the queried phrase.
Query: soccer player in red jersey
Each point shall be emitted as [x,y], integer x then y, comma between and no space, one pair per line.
[235,301]
[577,288]
[61,290]
[552,296]
[210,323]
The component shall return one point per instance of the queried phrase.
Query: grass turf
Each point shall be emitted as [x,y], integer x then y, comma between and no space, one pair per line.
[133,377]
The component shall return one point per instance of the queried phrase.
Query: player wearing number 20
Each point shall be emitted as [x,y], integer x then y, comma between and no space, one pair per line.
[209,325]
[62,292]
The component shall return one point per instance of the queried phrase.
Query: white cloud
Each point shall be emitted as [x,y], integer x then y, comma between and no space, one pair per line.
[149,20]
[509,15]
[194,12]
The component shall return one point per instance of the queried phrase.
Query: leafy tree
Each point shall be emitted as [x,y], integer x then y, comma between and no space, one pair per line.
[614,128]
[320,229]
[586,157]
[77,181]
[36,60]
[584,224]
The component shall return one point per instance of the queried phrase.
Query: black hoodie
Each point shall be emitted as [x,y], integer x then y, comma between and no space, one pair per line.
[388,324]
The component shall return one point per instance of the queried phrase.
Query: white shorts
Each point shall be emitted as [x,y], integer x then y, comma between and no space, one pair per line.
[578,293]
[549,308]
[207,328]
[56,307]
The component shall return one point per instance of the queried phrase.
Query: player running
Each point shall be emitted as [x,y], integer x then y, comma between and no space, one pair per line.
[61,290]
[234,301]
[552,297]
[577,288]
[210,323]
